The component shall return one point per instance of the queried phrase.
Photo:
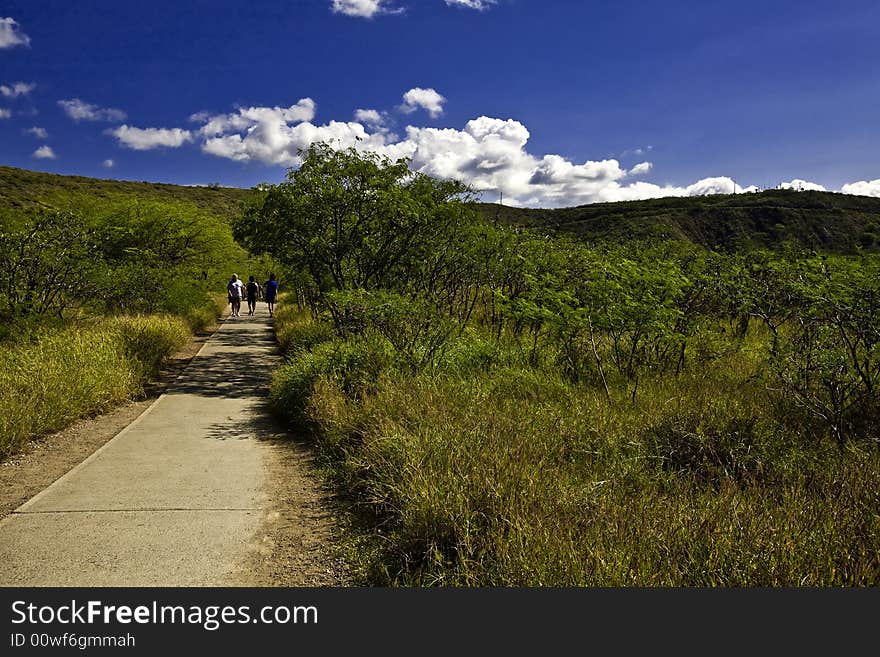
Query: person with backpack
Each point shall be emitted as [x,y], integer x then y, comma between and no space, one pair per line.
[234,291]
[271,293]
[253,292]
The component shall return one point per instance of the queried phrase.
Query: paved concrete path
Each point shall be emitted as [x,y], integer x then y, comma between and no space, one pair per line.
[176,498]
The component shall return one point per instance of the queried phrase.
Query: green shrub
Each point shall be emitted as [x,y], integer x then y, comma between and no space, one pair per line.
[355,364]
[474,352]
[300,333]
[148,340]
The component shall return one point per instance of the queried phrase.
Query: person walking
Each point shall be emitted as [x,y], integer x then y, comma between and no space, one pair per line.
[253,292]
[235,291]
[271,288]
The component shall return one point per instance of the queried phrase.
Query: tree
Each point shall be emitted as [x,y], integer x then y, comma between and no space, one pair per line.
[49,264]
[352,220]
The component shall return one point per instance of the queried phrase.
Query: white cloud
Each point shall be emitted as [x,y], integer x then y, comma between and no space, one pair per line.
[479,5]
[370,117]
[638,151]
[145,139]
[5,113]
[489,154]
[277,142]
[108,164]
[276,135]
[11,35]
[427,99]
[39,133]
[199,117]
[802,186]
[641,169]
[245,118]
[78,110]
[364,8]
[863,188]
[17,89]
[44,153]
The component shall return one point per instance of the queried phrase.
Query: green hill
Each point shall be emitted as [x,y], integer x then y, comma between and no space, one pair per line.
[823,221]
[104,246]
[23,189]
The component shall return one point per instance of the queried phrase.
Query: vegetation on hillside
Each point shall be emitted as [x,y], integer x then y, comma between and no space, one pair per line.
[825,221]
[101,281]
[21,189]
[513,406]
[669,392]
[79,245]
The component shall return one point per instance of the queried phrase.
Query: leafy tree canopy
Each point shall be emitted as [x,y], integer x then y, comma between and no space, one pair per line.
[350,220]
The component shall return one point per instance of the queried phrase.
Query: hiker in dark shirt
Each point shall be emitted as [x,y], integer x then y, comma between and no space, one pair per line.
[271,293]
[254,291]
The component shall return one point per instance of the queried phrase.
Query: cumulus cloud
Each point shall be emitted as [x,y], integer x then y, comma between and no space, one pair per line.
[490,154]
[17,89]
[5,113]
[275,135]
[802,186]
[371,118]
[11,34]
[108,164]
[479,5]
[145,139]
[78,110]
[641,169]
[248,117]
[428,99]
[39,133]
[44,153]
[277,142]
[863,188]
[364,8]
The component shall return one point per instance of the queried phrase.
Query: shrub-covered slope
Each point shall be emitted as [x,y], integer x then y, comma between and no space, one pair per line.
[824,221]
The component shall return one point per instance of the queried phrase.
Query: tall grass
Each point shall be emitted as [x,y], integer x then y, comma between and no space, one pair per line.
[203,314]
[490,472]
[62,374]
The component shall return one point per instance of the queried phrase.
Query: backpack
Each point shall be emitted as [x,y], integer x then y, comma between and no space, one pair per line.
[253,288]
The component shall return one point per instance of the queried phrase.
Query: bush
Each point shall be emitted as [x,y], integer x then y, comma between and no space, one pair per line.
[296,331]
[354,364]
[417,331]
[149,340]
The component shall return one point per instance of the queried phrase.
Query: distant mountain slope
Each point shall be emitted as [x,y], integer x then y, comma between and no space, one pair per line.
[820,220]
[20,188]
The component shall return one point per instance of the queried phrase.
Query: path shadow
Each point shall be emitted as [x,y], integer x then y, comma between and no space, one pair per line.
[232,369]
[256,423]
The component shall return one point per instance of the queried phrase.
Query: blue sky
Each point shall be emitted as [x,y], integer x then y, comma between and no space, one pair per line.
[551,102]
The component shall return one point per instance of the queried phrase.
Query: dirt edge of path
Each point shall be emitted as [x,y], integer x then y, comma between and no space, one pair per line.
[300,532]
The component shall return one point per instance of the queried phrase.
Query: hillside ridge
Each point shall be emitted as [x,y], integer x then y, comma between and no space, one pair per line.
[825,221]
[25,189]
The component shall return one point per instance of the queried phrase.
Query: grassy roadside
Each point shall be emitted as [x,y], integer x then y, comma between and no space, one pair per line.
[490,471]
[59,374]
